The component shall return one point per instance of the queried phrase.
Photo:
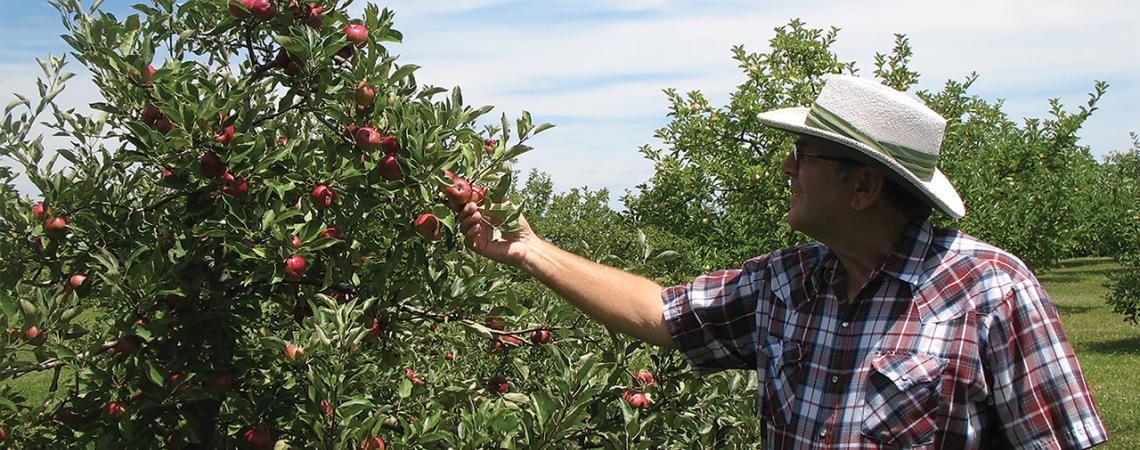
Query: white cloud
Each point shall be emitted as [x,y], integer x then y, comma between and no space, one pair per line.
[600,66]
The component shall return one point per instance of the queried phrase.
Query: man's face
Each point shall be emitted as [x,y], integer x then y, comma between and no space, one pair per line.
[819,194]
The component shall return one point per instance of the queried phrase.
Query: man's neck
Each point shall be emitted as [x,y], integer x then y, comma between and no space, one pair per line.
[861,247]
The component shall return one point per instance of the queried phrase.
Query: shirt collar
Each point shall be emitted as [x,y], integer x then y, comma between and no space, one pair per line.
[905,262]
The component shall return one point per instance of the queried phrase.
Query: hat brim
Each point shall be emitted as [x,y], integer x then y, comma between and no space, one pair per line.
[938,191]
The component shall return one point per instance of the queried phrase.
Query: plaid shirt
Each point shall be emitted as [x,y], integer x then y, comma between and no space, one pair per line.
[951,344]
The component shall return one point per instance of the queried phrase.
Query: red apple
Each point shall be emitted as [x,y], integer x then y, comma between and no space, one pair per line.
[263,9]
[240,9]
[498,384]
[219,384]
[234,186]
[449,356]
[292,69]
[365,94]
[38,211]
[296,242]
[79,283]
[164,125]
[115,410]
[372,443]
[151,114]
[283,141]
[56,228]
[356,33]
[428,226]
[294,352]
[367,138]
[489,145]
[477,193]
[35,336]
[332,233]
[374,330]
[257,439]
[314,19]
[225,136]
[282,59]
[126,346]
[540,336]
[322,196]
[643,378]
[3,434]
[327,407]
[294,267]
[635,399]
[458,194]
[145,77]
[390,168]
[390,145]
[212,165]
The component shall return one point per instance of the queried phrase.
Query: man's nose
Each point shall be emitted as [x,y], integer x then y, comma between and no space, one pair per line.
[788,167]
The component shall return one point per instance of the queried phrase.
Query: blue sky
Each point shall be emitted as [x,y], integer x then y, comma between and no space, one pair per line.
[596,68]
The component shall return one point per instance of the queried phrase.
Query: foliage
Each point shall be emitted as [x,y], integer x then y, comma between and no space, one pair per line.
[1122,183]
[718,196]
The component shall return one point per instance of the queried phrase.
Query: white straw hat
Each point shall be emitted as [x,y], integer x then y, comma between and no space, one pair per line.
[888,129]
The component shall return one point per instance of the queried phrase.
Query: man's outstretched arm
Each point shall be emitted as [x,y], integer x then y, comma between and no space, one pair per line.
[623,301]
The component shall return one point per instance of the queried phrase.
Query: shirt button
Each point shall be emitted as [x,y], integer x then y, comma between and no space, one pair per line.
[845,324]
[823,432]
[905,378]
[834,379]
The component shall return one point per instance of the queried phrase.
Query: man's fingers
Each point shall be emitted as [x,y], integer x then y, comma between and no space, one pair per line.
[470,220]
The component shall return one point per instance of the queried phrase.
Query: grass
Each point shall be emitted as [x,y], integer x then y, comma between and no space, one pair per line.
[1107,347]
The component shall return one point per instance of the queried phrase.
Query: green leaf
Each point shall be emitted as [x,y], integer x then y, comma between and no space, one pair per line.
[405,388]
[402,72]
[543,127]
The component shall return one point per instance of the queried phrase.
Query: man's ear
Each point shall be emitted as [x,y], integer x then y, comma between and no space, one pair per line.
[867,187]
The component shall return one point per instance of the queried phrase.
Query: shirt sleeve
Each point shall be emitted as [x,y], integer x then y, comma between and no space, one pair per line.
[1039,392]
[713,319]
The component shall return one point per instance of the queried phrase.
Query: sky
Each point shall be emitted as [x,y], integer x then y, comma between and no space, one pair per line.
[596,69]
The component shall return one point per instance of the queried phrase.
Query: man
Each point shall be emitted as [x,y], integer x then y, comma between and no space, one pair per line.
[888,333]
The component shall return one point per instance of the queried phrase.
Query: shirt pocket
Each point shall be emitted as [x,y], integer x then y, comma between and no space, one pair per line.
[903,398]
[784,358]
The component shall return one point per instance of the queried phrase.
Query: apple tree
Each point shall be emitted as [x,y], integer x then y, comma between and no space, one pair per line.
[718,196]
[1121,186]
[253,238]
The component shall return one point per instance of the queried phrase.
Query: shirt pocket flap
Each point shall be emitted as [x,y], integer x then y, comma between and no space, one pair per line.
[782,353]
[906,370]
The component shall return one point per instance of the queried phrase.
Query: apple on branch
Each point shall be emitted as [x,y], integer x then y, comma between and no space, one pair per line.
[356,34]
[428,226]
[322,196]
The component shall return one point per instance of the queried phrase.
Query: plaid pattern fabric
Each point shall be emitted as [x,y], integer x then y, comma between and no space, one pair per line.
[952,344]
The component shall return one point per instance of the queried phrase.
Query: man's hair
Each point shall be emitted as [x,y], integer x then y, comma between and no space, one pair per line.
[904,201]
[895,195]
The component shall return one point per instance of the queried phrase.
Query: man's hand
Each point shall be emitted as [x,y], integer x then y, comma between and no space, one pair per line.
[478,235]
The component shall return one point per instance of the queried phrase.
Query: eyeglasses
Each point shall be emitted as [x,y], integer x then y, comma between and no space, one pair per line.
[798,155]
